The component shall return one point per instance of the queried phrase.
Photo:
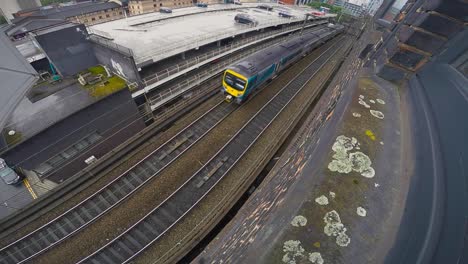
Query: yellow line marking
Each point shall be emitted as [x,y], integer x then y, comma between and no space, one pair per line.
[30,189]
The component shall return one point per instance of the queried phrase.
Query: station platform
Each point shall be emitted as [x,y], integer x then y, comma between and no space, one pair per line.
[154,37]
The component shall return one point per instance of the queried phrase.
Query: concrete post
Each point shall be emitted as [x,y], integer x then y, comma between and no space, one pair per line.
[218,43]
[183,55]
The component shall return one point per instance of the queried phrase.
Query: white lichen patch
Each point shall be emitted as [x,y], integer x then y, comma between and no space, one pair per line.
[322,200]
[372,101]
[316,258]
[334,227]
[376,185]
[298,221]
[381,143]
[361,211]
[292,250]
[343,240]
[380,101]
[344,162]
[377,114]
[361,96]
[368,173]
[363,103]
[356,114]
[332,195]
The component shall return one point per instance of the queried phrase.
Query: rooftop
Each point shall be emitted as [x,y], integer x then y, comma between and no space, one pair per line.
[66,11]
[17,77]
[48,102]
[156,33]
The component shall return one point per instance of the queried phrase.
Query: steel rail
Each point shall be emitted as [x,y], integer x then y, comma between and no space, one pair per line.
[4,258]
[120,245]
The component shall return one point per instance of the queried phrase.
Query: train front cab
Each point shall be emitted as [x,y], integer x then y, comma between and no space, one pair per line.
[234,86]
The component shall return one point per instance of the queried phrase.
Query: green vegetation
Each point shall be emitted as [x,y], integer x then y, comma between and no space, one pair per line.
[333,9]
[48,2]
[107,85]
[2,20]
[97,70]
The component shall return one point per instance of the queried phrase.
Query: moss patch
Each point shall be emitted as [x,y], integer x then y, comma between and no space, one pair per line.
[107,87]
[97,70]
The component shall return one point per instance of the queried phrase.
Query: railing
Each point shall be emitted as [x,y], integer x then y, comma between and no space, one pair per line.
[108,43]
[195,80]
[156,77]
[157,53]
[136,21]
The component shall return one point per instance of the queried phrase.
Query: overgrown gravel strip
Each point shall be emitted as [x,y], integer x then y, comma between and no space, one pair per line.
[235,183]
[131,159]
[155,191]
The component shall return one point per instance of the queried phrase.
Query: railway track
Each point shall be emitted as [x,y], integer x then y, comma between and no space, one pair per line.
[110,195]
[161,219]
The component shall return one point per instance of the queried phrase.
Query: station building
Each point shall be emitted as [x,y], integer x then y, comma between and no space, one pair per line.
[95,86]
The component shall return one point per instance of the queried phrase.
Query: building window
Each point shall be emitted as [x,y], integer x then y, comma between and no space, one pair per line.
[120,13]
[107,15]
[155,5]
[59,159]
[92,19]
[100,17]
[160,4]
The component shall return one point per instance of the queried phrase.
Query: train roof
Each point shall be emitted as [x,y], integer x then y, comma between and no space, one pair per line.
[262,59]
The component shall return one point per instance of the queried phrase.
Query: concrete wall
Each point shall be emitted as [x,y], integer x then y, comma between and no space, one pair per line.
[118,62]
[68,49]
[115,118]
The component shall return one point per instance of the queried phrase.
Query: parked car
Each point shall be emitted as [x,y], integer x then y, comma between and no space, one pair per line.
[237,2]
[165,10]
[202,5]
[245,19]
[8,175]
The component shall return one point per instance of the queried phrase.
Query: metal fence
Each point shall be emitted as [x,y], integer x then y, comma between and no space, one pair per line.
[156,53]
[107,42]
[187,84]
[156,77]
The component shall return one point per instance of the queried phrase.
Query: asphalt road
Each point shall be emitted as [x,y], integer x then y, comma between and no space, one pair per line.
[13,198]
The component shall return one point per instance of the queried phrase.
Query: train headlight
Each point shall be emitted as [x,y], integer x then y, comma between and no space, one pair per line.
[228,98]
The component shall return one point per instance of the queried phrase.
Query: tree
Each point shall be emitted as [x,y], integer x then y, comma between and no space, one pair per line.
[333,9]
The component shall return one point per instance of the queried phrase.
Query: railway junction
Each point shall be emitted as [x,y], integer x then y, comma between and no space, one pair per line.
[315,167]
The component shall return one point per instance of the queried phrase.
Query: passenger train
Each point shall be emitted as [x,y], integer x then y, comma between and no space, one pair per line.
[244,77]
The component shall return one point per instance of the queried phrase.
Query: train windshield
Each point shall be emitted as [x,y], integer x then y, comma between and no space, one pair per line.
[234,81]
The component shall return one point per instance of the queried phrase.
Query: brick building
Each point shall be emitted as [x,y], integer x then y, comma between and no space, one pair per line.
[136,7]
[88,13]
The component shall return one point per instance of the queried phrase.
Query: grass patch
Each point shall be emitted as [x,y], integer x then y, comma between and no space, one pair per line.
[97,70]
[107,86]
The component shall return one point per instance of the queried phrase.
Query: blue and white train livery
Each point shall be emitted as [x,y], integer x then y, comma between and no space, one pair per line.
[245,76]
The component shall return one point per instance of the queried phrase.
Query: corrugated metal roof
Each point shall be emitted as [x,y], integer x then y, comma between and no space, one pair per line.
[16,76]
